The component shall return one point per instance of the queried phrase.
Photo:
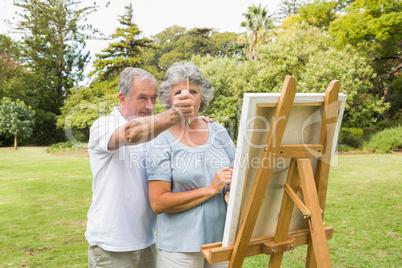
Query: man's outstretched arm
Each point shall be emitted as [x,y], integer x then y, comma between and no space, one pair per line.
[143,129]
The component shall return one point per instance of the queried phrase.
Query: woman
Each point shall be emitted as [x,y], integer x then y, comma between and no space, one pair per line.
[189,171]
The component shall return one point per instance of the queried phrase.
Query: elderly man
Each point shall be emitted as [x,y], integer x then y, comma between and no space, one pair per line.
[121,224]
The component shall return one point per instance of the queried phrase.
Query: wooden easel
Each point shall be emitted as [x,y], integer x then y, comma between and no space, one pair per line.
[300,179]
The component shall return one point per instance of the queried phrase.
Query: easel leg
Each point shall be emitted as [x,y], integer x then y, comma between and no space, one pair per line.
[275,260]
[329,123]
[310,259]
[317,232]
[285,214]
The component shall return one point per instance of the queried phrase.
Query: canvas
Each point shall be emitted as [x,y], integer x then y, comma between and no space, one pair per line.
[303,127]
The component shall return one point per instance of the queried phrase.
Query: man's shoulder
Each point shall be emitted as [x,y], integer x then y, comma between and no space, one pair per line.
[113,118]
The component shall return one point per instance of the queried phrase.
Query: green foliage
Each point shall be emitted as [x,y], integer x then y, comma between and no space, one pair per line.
[352,137]
[66,147]
[53,44]
[343,148]
[15,81]
[193,42]
[84,106]
[9,65]
[16,119]
[385,141]
[374,28]
[66,144]
[231,79]
[45,132]
[305,53]
[288,8]
[176,44]
[125,52]
[319,13]
[291,21]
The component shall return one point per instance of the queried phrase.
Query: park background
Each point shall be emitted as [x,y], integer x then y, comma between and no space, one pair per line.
[52,88]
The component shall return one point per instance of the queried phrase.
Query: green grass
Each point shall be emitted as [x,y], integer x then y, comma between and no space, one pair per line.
[44,199]
[364,206]
[43,204]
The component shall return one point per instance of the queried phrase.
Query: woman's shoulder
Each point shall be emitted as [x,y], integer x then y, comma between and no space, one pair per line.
[163,140]
[217,126]
[219,132]
[218,129]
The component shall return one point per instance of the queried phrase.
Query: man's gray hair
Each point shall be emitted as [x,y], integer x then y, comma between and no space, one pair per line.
[179,72]
[127,77]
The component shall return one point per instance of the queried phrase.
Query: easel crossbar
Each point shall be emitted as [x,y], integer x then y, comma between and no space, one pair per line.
[215,253]
[306,212]
[300,150]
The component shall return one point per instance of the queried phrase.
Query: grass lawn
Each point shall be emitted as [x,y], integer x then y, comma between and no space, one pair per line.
[44,199]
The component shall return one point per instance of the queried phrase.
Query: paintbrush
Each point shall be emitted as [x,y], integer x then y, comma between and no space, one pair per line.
[188,89]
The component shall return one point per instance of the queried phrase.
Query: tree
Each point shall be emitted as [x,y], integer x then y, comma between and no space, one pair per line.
[225,45]
[374,28]
[15,80]
[257,18]
[166,41]
[288,8]
[195,41]
[231,79]
[18,83]
[53,44]
[246,40]
[178,44]
[126,51]
[320,13]
[308,54]
[16,119]
[9,65]
[304,52]
[86,104]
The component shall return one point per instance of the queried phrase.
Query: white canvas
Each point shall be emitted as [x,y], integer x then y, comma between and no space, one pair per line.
[303,127]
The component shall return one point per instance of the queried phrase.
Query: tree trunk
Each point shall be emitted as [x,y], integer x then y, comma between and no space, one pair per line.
[15,142]
[254,48]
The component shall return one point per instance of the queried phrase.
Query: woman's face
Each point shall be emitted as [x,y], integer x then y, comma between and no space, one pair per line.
[193,90]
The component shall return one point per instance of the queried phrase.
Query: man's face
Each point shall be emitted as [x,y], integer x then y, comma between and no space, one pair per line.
[142,101]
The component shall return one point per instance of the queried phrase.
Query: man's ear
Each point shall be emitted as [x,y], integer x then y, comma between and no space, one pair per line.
[123,100]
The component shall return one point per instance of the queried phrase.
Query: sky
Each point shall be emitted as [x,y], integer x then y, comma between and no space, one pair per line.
[153,16]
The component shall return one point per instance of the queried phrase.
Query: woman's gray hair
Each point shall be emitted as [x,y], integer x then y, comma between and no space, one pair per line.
[127,77]
[179,72]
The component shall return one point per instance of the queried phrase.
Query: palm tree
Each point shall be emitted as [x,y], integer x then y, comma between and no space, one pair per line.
[257,19]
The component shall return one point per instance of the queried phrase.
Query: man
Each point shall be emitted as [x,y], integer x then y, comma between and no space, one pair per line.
[121,224]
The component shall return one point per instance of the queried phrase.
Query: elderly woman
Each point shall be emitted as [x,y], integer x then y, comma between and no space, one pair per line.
[189,169]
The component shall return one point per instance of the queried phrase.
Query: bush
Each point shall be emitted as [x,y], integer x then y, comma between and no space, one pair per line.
[381,125]
[344,148]
[61,145]
[351,137]
[67,147]
[385,141]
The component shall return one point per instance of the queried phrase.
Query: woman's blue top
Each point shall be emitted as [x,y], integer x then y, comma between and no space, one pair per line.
[189,168]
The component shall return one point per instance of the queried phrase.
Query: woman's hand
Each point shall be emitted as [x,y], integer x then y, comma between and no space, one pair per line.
[164,201]
[222,178]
